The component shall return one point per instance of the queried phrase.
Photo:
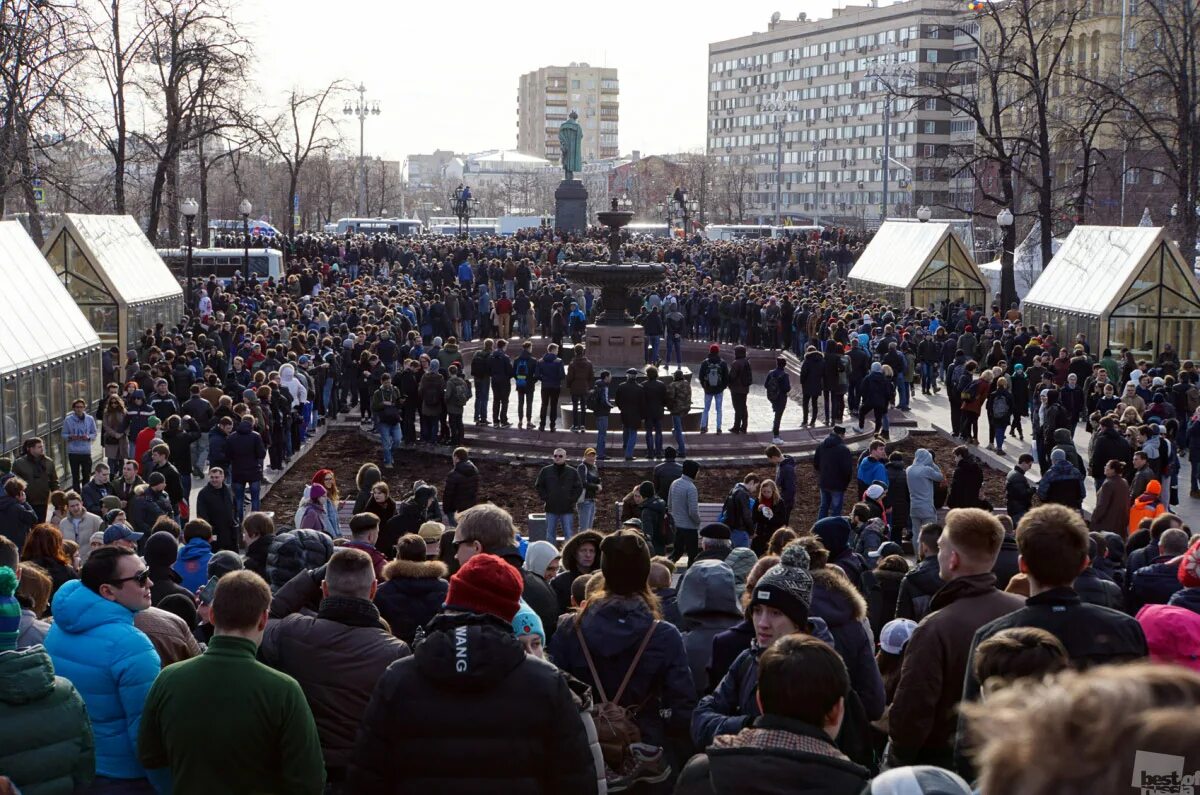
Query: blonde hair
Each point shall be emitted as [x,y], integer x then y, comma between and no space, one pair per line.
[1100,715]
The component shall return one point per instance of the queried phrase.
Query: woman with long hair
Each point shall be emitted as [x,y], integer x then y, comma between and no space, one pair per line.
[768,516]
[44,546]
[619,634]
[114,432]
[380,503]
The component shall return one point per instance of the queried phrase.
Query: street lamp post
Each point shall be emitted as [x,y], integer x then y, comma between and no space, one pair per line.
[781,111]
[463,204]
[1008,281]
[817,146]
[189,208]
[244,208]
[362,109]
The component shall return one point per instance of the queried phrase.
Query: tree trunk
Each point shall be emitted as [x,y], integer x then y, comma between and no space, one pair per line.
[118,146]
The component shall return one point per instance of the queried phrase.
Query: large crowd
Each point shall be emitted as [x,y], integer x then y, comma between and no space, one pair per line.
[155,637]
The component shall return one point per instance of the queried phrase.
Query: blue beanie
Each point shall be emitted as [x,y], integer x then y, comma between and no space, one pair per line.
[527,622]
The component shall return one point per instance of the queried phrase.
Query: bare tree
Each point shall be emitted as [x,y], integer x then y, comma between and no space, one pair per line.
[304,128]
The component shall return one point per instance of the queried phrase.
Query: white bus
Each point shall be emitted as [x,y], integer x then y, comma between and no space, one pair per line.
[448,225]
[224,262]
[756,231]
[256,227]
[648,230]
[405,227]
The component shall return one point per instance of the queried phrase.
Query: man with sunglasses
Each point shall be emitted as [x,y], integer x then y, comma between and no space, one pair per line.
[94,643]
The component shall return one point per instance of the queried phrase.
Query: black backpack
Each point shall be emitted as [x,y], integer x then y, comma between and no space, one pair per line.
[592,402]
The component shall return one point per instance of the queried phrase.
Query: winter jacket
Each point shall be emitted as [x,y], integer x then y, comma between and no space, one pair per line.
[679,397]
[94,644]
[470,685]
[411,594]
[16,519]
[1111,514]
[561,584]
[922,720]
[844,612]
[719,381]
[294,551]
[1186,597]
[1093,635]
[1110,444]
[337,657]
[741,376]
[773,756]
[192,564]
[46,744]
[1062,484]
[559,487]
[1097,590]
[967,484]
[834,464]
[708,605]
[550,371]
[835,533]
[268,742]
[146,507]
[245,451]
[654,399]
[172,638]
[917,589]
[662,683]
[40,478]
[580,375]
[1154,584]
[1006,566]
[683,503]
[812,371]
[875,391]
[462,487]
[216,506]
[1148,505]
[920,477]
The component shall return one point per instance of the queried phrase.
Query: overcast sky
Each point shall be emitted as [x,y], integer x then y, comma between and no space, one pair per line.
[446,73]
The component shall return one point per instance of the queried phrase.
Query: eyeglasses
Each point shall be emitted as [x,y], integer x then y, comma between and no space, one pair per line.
[141,578]
[559,456]
[458,542]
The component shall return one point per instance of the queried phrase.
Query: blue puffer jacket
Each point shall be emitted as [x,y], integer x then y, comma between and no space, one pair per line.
[662,683]
[94,644]
[192,564]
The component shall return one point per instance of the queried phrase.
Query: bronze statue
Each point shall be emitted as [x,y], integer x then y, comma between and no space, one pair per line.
[570,143]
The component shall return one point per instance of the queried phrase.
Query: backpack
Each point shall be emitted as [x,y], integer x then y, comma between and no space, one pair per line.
[521,371]
[969,392]
[616,728]
[1001,407]
[592,402]
[774,387]
[712,375]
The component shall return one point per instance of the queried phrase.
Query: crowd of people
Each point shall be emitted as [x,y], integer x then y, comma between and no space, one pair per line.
[159,638]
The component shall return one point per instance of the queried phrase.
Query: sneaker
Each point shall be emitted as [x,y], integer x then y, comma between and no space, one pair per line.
[776,440]
[645,764]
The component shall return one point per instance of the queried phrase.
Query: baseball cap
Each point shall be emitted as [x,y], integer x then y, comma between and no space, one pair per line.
[895,635]
[119,532]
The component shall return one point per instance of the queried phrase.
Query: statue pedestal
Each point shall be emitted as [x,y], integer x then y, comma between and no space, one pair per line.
[570,207]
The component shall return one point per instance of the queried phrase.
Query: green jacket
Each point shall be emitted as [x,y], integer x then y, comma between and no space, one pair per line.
[224,722]
[45,735]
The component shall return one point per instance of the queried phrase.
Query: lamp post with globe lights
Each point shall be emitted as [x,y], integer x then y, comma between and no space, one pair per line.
[362,109]
[188,208]
[1008,281]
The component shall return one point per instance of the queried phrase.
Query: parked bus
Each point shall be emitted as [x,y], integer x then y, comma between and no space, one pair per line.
[755,231]
[405,227]
[256,227]
[224,262]
[648,230]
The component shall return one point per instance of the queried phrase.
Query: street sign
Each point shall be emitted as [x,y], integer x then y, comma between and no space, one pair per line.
[39,195]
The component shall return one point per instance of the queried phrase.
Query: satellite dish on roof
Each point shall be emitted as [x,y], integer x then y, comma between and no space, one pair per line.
[775,17]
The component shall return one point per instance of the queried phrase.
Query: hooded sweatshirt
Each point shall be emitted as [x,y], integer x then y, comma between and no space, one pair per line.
[294,386]
[921,475]
[192,565]
[708,604]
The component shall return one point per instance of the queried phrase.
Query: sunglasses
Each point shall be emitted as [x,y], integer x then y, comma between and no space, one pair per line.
[141,578]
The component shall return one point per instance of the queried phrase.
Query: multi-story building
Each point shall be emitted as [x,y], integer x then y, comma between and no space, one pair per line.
[546,97]
[435,170]
[805,106]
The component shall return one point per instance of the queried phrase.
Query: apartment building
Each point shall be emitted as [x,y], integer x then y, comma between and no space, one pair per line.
[546,96]
[805,107]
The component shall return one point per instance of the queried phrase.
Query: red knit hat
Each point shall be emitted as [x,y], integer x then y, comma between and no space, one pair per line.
[486,584]
[714,348]
[1189,566]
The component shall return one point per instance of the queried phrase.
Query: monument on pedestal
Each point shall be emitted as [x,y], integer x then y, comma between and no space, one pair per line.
[570,198]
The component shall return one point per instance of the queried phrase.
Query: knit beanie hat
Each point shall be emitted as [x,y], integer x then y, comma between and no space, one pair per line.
[741,560]
[153,421]
[625,562]
[1189,566]
[787,586]
[1058,454]
[486,584]
[527,622]
[224,562]
[316,491]
[161,549]
[918,780]
[10,610]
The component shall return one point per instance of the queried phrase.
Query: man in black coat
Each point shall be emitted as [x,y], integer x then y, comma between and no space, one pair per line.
[214,504]
[560,488]
[919,585]
[654,400]
[500,369]
[1110,444]
[666,473]
[631,404]
[835,467]
[1156,583]
[470,694]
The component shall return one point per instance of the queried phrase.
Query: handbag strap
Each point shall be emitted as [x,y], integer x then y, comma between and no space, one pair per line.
[587,655]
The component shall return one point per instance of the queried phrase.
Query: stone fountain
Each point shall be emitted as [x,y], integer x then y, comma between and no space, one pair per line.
[615,280]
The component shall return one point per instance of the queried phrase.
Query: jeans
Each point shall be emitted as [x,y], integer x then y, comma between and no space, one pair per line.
[327,396]
[525,405]
[482,387]
[629,432]
[901,392]
[928,376]
[553,520]
[200,453]
[779,409]
[673,343]
[709,397]
[999,435]
[81,469]
[654,445]
[677,430]
[239,497]
[587,514]
[741,415]
[500,405]
[652,344]
[549,406]
[578,411]
[831,503]
[456,428]
[918,521]
[389,438]
[601,434]
[429,429]
[740,538]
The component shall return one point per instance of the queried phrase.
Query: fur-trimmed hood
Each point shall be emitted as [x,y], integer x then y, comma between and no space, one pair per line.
[835,598]
[415,570]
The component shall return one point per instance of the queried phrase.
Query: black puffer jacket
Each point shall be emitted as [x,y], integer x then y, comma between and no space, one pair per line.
[462,487]
[1097,590]
[412,593]
[293,552]
[917,589]
[470,694]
